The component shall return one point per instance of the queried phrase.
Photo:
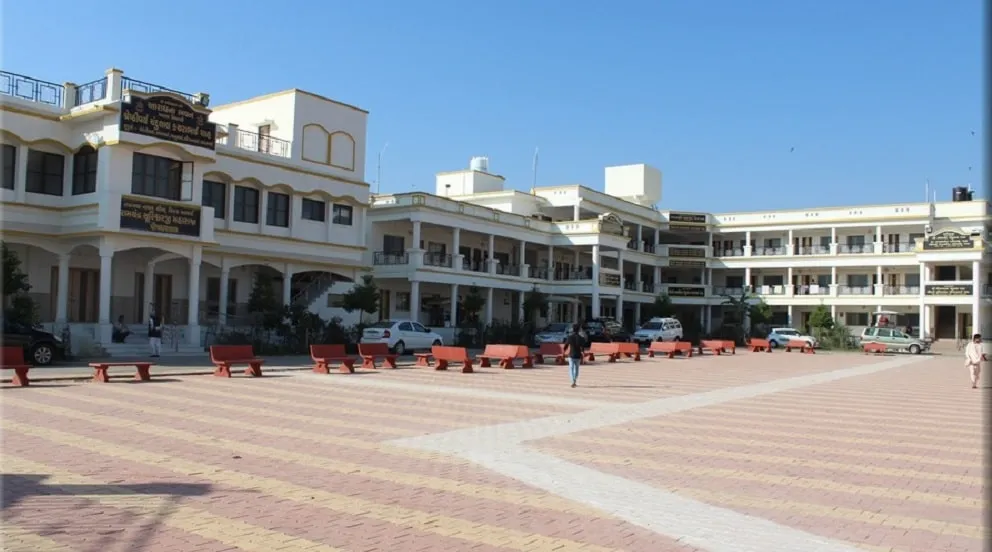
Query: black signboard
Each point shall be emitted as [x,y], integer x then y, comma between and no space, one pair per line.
[685,291]
[686,218]
[686,264]
[168,118]
[686,252]
[161,218]
[948,239]
[949,290]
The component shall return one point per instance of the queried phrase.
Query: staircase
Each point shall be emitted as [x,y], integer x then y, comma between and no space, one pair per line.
[313,288]
[174,344]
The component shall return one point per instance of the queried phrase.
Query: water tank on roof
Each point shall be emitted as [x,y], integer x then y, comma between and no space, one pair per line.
[480,164]
[961,193]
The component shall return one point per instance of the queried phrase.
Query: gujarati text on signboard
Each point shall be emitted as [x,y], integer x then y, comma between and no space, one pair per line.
[948,239]
[949,290]
[686,252]
[168,118]
[685,291]
[686,263]
[160,218]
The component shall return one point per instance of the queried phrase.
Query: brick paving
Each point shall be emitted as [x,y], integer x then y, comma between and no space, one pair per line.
[890,460]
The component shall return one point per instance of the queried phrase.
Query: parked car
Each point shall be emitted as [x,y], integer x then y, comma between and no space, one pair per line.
[553,333]
[658,329]
[401,335]
[780,337]
[40,347]
[605,330]
[894,339]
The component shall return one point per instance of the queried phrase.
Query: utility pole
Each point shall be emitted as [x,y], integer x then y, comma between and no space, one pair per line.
[378,169]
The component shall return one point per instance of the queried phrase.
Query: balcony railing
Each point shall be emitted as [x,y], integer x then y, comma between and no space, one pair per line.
[771,290]
[32,90]
[814,250]
[901,290]
[647,287]
[649,248]
[810,289]
[537,272]
[856,249]
[630,284]
[574,274]
[253,141]
[855,290]
[475,266]
[508,270]
[898,247]
[127,83]
[731,291]
[386,258]
[93,91]
[728,252]
[769,251]
[437,259]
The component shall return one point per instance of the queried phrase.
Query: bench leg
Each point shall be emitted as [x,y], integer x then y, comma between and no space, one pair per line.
[347,366]
[144,373]
[467,367]
[560,360]
[321,368]
[689,353]
[368,363]
[650,353]
[589,357]
[423,361]
[100,375]
[612,357]
[538,358]
[484,363]
[254,370]
[527,363]
[637,357]
[222,371]
[20,378]
[506,363]
[389,362]
[442,365]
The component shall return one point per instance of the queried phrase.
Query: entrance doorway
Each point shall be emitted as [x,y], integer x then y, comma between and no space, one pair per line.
[161,298]
[384,307]
[945,320]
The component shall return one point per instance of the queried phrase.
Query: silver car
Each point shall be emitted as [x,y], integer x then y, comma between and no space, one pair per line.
[554,333]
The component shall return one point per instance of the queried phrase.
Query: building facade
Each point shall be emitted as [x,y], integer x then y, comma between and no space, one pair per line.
[120,196]
[611,253]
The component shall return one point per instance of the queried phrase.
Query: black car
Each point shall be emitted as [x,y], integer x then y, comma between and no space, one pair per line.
[40,347]
[605,331]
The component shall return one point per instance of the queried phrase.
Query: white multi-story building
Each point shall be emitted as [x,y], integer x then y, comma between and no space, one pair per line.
[118,194]
[609,253]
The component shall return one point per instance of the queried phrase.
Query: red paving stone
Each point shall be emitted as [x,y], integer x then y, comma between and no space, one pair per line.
[891,461]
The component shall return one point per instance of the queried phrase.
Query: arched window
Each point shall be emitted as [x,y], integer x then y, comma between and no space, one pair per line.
[84,171]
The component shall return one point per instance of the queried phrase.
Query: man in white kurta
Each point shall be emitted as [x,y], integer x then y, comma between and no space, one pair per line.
[973,358]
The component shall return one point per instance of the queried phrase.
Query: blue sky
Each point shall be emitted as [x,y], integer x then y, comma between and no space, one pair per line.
[875,97]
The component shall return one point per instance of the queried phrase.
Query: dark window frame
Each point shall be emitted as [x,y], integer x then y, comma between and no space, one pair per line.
[49,177]
[277,209]
[242,205]
[313,209]
[211,197]
[338,211]
[157,176]
[8,157]
[84,168]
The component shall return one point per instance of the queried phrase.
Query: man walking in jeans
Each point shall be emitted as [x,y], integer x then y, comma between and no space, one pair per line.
[575,344]
[155,333]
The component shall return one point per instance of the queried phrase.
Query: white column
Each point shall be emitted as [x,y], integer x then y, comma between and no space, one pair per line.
[492,250]
[415,301]
[522,258]
[833,281]
[976,297]
[489,306]
[789,250]
[640,242]
[879,284]
[456,244]
[576,210]
[416,235]
[789,289]
[521,315]
[878,240]
[21,175]
[193,316]
[833,240]
[106,287]
[833,312]
[924,319]
[287,285]
[789,314]
[657,279]
[454,305]
[551,262]
[225,290]
[747,277]
[263,210]
[62,293]
[637,313]
[620,307]
[149,290]
[595,281]
[747,244]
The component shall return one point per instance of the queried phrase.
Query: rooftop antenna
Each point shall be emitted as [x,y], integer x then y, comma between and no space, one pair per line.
[926,193]
[533,182]
[378,169]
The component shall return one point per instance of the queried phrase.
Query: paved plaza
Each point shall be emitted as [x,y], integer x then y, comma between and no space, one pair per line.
[748,453]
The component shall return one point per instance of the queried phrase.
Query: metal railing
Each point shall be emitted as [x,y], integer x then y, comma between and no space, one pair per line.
[770,290]
[856,290]
[537,272]
[813,250]
[898,247]
[91,92]
[647,287]
[32,90]
[127,83]
[810,289]
[253,141]
[856,249]
[728,252]
[731,291]
[901,290]
[437,259]
[508,270]
[769,251]
[574,274]
[385,258]
[475,265]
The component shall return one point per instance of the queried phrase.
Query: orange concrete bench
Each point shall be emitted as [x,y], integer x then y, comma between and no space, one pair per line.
[629,350]
[718,346]
[12,358]
[372,351]
[100,370]
[324,355]
[225,356]
[877,348]
[800,345]
[442,355]
[610,350]
[670,348]
[758,345]
[555,351]
[505,354]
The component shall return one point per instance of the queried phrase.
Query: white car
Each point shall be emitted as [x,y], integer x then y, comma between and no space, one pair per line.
[554,333]
[780,337]
[658,329]
[401,335]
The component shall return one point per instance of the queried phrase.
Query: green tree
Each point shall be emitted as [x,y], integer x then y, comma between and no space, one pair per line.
[760,312]
[472,303]
[18,305]
[534,302]
[662,307]
[820,318]
[263,304]
[363,297]
[746,311]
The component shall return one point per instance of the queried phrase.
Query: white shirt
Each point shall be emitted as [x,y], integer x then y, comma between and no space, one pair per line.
[973,353]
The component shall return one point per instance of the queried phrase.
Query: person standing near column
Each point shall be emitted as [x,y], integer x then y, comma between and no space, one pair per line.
[154,332]
[973,359]
[575,344]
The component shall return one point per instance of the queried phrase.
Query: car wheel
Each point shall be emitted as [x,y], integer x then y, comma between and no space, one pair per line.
[774,344]
[677,338]
[399,348]
[437,343]
[43,354]
[915,349]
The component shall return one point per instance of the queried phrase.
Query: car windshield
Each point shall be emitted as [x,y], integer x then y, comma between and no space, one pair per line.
[557,328]
[651,326]
[383,324]
[783,331]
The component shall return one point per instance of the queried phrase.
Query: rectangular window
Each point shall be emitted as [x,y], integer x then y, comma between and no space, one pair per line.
[853,241]
[857,280]
[8,156]
[84,171]
[341,214]
[393,244]
[856,318]
[213,295]
[215,195]
[912,280]
[45,172]
[277,210]
[246,204]
[156,176]
[314,210]
[403,301]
